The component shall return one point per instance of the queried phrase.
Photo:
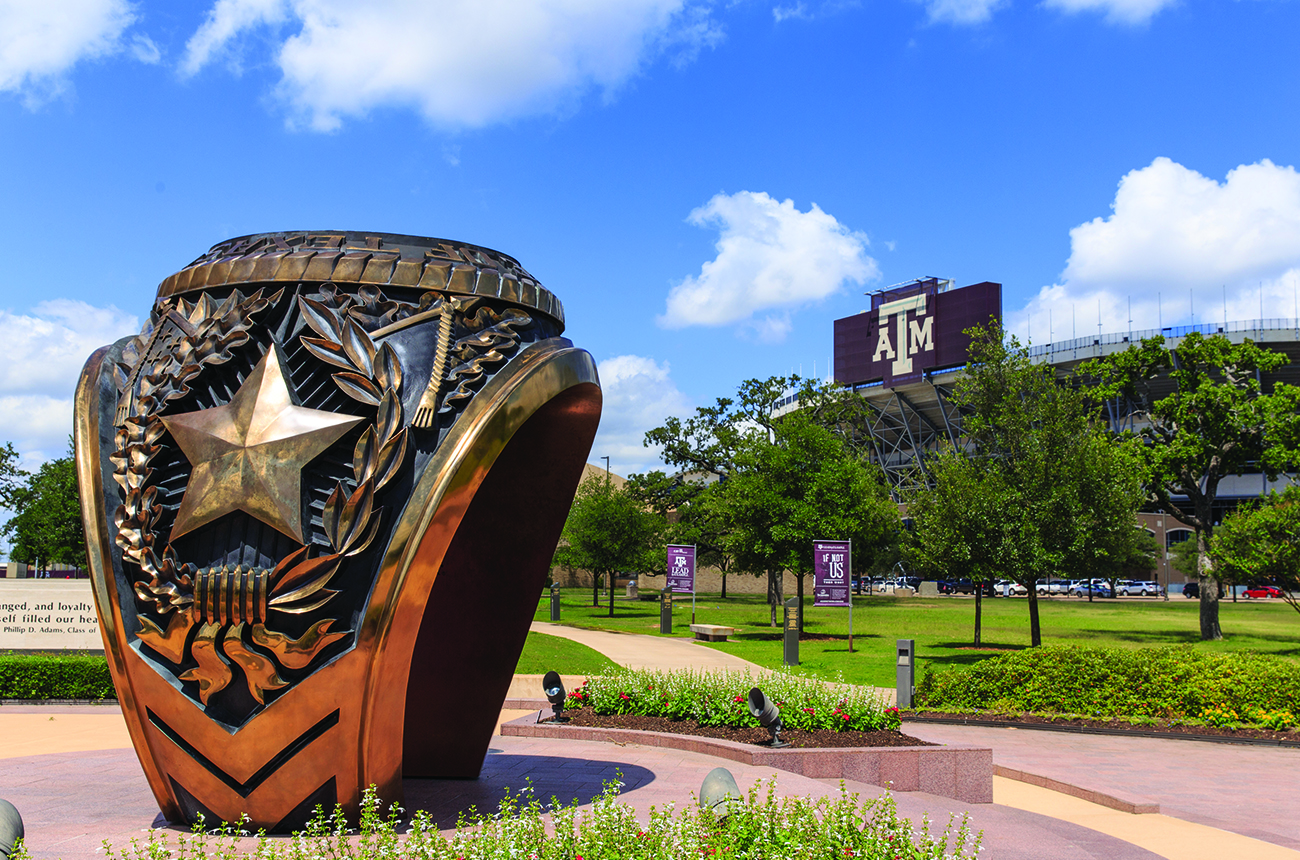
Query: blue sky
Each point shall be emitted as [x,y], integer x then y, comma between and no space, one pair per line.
[705,185]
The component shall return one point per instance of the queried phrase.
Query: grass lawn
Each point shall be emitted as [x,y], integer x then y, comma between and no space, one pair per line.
[543,653]
[943,627]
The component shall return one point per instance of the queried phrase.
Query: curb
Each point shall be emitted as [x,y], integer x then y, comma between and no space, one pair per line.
[1133,807]
[963,773]
[1090,730]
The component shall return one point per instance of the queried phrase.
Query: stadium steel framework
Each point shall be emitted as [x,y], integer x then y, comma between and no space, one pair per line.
[908,424]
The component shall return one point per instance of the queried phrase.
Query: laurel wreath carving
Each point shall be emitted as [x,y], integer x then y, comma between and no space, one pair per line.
[181,340]
[175,346]
[205,333]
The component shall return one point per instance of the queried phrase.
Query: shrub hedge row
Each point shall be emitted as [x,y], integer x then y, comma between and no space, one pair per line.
[1168,682]
[55,676]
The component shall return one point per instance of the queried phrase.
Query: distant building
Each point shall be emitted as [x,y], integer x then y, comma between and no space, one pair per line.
[904,354]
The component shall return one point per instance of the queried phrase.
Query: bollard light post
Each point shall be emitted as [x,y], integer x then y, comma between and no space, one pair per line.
[555,601]
[906,673]
[666,611]
[791,650]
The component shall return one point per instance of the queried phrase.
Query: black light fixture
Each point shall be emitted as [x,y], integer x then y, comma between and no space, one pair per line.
[553,687]
[768,716]
[718,788]
[11,828]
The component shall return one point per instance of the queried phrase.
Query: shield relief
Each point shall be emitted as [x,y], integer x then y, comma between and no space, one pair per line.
[321,491]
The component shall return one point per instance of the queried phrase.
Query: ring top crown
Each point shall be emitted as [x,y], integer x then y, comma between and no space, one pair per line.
[378,259]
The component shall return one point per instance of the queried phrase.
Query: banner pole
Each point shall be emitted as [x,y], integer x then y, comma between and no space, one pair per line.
[693,572]
[850,596]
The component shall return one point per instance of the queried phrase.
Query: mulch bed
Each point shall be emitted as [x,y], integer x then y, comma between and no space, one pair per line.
[1163,726]
[796,738]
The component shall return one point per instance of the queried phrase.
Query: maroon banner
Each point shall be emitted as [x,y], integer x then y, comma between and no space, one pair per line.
[832,576]
[911,330]
[681,569]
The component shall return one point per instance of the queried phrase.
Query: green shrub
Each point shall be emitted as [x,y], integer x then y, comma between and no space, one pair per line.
[1168,683]
[767,827]
[719,699]
[55,676]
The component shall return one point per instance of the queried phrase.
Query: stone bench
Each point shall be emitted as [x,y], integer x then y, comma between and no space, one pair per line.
[711,632]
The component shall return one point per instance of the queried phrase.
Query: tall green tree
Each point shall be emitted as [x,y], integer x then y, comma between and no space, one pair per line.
[12,478]
[801,485]
[960,525]
[46,526]
[694,515]
[1261,545]
[1038,487]
[1216,421]
[609,530]
[705,447]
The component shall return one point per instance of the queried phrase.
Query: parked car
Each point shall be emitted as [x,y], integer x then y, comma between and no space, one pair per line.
[1193,589]
[1139,589]
[1052,586]
[963,585]
[1096,589]
[1263,591]
[1007,588]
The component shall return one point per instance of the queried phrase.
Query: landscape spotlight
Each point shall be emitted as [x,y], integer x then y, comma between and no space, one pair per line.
[719,787]
[768,716]
[554,689]
[11,828]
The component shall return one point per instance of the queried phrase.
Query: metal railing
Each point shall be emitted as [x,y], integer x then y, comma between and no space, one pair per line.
[1277,324]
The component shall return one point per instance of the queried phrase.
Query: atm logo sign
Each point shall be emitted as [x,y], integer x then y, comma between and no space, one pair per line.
[906,329]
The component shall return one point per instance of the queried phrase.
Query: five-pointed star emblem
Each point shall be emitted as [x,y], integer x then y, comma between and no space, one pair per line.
[248,455]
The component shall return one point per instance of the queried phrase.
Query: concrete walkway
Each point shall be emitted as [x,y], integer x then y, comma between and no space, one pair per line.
[637,651]
[1215,800]
[1199,787]
[72,801]
[70,771]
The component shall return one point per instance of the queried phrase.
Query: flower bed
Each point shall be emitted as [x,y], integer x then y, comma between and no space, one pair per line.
[757,825]
[719,699]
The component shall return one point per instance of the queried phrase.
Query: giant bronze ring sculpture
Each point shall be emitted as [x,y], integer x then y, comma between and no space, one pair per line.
[322,489]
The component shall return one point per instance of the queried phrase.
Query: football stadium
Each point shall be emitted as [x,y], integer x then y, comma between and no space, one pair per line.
[905,352]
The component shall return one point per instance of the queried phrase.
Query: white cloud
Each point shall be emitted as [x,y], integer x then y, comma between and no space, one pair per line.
[44,353]
[1116,11]
[40,42]
[226,20]
[639,395]
[460,63]
[961,11]
[786,13]
[771,257]
[1176,243]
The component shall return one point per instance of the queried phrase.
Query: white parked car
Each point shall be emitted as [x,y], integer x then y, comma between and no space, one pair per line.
[1007,588]
[1055,586]
[1139,589]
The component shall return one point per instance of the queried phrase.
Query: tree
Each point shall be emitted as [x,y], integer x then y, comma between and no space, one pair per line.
[706,445]
[12,478]
[961,524]
[1215,422]
[1038,486]
[46,526]
[693,516]
[1261,545]
[609,530]
[797,487]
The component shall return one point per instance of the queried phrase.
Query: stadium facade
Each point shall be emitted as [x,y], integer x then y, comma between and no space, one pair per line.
[904,354]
